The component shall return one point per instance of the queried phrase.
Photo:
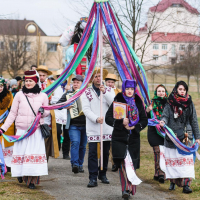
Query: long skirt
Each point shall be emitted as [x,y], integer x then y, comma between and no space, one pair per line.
[179,168]
[125,183]
[29,158]
[7,154]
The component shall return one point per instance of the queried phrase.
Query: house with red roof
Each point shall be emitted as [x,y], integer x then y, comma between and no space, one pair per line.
[174,29]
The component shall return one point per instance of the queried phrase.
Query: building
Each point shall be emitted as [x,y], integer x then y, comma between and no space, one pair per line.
[15,40]
[174,31]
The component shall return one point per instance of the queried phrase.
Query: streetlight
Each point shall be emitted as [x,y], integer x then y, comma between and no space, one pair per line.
[31,28]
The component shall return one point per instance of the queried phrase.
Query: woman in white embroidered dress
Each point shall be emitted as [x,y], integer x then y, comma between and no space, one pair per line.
[29,157]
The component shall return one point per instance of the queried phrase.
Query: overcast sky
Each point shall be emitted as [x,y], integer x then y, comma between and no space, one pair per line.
[53,16]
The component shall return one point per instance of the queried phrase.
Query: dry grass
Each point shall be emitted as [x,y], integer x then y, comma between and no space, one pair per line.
[12,190]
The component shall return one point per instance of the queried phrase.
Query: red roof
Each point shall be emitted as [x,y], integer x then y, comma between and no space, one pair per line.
[174,37]
[143,28]
[164,4]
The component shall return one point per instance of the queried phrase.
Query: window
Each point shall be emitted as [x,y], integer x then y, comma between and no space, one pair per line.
[156,46]
[1,46]
[27,46]
[190,47]
[164,57]
[173,51]
[155,57]
[176,5]
[51,47]
[13,46]
[198,48]
[164,46]
[182,47]
[181,57]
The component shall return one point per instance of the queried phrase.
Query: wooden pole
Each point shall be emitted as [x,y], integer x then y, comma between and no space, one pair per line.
[101,94]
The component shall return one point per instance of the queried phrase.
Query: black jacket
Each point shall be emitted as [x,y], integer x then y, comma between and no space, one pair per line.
[121,138]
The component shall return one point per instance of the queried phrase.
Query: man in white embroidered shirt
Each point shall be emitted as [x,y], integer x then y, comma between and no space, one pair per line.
[91,109]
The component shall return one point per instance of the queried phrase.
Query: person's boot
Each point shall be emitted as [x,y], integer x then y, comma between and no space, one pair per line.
[155,178]
[20,180]
[187,189]
[92,183]
[104,179]
[31,186]
[172,186]
[66,157]
[114,168]
[75,169]
[161,179]
[81,170]
[125,195]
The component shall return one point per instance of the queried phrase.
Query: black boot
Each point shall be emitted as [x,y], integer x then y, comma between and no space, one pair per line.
[20,180]
[125,195]
[31,186]
[104,179]
[92,183]
[114,168]
[161,179]
[172,186]
[81,170]
[155,178]
[187,189]
[66,157]
[75,169]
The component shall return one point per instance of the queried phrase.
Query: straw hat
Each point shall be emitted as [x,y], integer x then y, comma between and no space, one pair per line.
[59,72]
[98,70]
[111,77]
[44,68]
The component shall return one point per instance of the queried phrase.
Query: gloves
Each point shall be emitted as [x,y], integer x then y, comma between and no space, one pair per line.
[41,110]
[1,131]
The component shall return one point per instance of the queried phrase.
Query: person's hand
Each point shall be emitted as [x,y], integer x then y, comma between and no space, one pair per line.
[125,121]
[129,128]
[198,141]
[148,109]
[162,123]
[41,110]
[100,120]
[102,88]
[67,87]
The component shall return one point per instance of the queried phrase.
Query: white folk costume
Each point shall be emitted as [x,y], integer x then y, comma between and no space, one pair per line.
[91,109]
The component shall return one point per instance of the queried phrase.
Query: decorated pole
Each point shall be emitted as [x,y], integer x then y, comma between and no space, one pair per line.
[101,94]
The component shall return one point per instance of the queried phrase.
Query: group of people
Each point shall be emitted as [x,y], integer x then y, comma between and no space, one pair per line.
[80,125]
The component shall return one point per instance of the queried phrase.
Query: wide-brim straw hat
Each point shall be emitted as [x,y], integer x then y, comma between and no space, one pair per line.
[98,70]
[59,72]
[45,69]
[112,77]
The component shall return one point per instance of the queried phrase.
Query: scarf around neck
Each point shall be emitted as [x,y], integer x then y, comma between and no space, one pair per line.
[178,102]
[158,103]
[133,113]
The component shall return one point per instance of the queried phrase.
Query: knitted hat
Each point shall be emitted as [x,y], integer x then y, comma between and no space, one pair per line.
[2,81]
[31,75]
[18,78]
[13,82]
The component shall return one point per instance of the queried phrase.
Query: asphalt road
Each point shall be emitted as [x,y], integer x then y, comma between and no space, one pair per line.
[62,183]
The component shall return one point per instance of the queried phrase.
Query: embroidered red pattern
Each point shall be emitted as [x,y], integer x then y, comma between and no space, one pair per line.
[178,162]
[29,159]
[88,94]
[7,153]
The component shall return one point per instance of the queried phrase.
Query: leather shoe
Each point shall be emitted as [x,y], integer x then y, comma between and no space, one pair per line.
[31,186]
[161,179]
[187,189]
[75,169]
[155,178]
[114,168]
[20,180]
[80,169]
[104,179]
[66,157]
[92,183]
[125,194]
[172,186]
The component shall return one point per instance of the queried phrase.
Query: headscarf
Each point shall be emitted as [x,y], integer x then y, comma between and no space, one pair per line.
[133,113]
[5,90]
[158,103]
[178,102]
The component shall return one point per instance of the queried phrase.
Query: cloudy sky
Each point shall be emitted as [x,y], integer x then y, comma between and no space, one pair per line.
[53,16]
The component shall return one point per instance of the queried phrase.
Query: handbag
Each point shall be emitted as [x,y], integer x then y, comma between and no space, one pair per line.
[45,130]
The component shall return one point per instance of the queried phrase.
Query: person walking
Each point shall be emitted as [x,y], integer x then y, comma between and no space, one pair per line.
[180,115]
[155,140]
[29,157]
[126,133]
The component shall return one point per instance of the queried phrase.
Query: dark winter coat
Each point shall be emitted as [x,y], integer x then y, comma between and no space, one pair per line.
[121,138]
